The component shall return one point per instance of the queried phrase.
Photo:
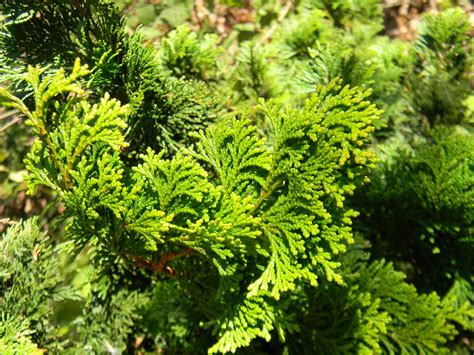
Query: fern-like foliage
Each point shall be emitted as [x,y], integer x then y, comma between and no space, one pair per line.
[184,54]
[164,109]
[253,75]
[75,125]
[443,67]
[418,323]
[328,62]
[15,337]
[45,33]
[374,311]
[268,216]
[209,231]
[425,198]
[170,108]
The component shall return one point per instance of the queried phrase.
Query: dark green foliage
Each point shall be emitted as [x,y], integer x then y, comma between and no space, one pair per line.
[375,312]
[418,211]
[418,323]
[54,30]
[184,54]
[109,324]
[443,67]
[328,62]
[252,77]
[30,283]
[172,321]
[423,200]
[163,109]
[56,33]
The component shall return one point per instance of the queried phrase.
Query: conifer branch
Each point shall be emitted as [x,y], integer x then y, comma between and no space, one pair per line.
[55,157]
[264,198]
[265,194]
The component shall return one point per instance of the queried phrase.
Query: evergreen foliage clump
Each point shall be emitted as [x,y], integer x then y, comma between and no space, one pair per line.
[31,283]
[443,66]
[421,196]
[184,54]
[436,219]
[172,209]
[300,183]
[122,66]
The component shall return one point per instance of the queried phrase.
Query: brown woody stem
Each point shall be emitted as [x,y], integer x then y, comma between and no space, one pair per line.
[160,266]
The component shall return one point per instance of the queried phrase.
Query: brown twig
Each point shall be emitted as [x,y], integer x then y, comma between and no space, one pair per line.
[6,114]
[160,266]
[265,194]
[10,123]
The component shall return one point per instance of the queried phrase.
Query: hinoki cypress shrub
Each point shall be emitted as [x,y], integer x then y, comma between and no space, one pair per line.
[222,198]
[268,215]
